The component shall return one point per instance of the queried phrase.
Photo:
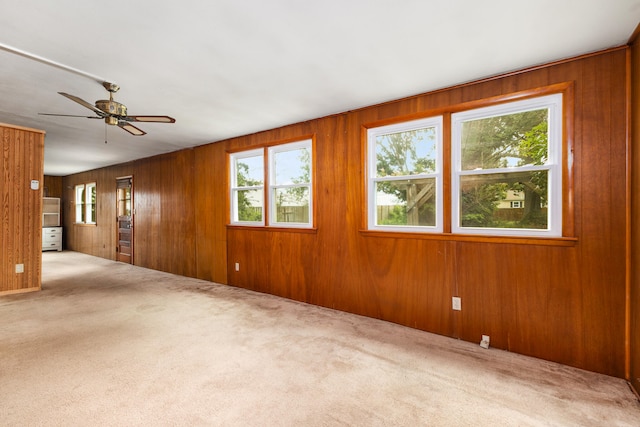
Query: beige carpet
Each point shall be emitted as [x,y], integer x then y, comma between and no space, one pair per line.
[109,344]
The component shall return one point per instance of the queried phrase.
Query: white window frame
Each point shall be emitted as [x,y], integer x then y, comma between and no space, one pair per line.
[272,151]
[234,187]
[553,165]
[84,204]
[268,187]
[372,179]
[79,203]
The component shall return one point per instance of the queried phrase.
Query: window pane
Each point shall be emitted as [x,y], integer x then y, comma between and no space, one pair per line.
[505,200]
[406,153]
[79,203]
[91,203]
[292,167]
[406,202]
[124,202]
[505,141]
[249,171]
[248,205]
[292,204]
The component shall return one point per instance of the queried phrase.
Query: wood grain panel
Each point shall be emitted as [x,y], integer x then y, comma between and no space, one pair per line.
[164,234]
[562,302]
[633,258]
[211,213]
[542,301]
[52,186]
[21,161]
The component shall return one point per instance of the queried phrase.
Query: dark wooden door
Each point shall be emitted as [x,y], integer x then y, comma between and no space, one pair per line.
[124,222]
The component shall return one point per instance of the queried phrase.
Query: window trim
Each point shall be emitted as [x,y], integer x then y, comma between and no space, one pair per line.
[567,237]
[271,154]
[234,187]
[267,152]
[372,133]
[554,166]
[85,204]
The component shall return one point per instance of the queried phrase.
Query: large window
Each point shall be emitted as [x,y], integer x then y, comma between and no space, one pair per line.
[287,171]
[405,176]
[508,150]
[85,198]
[505,168]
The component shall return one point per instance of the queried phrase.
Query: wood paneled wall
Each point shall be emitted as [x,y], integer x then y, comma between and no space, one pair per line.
[52,186]
[21,161]
[634,256]
[561,303]
[164,213]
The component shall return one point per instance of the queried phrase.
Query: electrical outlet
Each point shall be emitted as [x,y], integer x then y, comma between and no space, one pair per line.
[485,341]
[456,303]
[19,268]
[237,266]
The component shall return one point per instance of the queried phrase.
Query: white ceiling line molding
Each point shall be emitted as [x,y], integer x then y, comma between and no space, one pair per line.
[46,61]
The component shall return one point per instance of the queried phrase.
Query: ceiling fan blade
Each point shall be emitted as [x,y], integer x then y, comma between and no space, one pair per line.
[84,104]
[131,128]
[150,119]
[69,115]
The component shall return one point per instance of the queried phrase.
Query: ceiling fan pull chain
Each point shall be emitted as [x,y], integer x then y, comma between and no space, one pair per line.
[105,133]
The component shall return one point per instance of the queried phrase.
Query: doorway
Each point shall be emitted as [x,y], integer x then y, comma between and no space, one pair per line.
[124,221]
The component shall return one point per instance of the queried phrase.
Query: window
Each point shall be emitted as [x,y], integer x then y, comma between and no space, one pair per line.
[86,203]
[498,151]
[247,187]
[290,184]
[288,178]
[405,176]
[504,171]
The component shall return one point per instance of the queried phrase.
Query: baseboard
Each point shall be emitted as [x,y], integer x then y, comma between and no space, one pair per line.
[19,291]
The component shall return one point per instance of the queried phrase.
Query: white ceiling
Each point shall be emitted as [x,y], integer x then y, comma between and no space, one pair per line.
[225,68]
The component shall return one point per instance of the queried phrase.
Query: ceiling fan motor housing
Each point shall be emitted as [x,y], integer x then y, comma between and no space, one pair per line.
[111,107]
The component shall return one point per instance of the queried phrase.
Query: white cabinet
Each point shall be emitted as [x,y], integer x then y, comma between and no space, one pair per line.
[50,212]
[51,230]
[52,239]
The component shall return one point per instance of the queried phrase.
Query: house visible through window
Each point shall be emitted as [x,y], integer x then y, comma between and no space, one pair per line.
[288,178]
[85,201]
[499,151]
[506,171]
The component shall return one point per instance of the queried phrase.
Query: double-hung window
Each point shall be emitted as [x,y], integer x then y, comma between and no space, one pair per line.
[503,163]
[85,201]
[247,187]
[405,176]
[513,148]
[281,175]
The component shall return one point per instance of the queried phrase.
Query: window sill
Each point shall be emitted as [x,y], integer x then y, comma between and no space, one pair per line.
[273,229]
[82,224]
[519,240]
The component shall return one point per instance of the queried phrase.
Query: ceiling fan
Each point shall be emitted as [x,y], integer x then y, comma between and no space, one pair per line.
[113,112]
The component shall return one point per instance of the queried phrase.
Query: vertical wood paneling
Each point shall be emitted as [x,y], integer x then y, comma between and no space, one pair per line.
[562,303]
[557,303]
[21,161]
[52,186]
[211,213]
[634,256]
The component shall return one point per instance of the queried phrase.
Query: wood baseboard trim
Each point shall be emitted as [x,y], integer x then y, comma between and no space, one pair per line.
[20,291]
